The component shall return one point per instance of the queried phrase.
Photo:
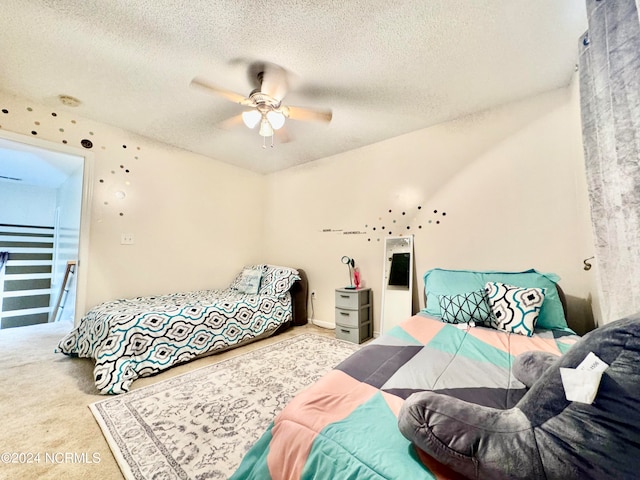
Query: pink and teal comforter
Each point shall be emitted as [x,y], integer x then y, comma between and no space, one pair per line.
[345,425]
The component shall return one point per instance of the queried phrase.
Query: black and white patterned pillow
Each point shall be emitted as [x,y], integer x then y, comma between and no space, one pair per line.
[515,309]
[465,308]
[276,280]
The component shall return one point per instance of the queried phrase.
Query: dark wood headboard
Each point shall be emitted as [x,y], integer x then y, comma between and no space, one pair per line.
[299,296]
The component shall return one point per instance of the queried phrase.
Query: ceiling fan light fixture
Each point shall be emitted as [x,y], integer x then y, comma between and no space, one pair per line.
[266,130]
[251,118]
[276,119]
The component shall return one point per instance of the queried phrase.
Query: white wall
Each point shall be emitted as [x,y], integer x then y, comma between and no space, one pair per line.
[26,204]
[196,220]
[69,205]
[510,180]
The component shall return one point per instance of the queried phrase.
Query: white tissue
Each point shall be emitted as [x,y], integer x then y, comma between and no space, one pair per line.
[581,383]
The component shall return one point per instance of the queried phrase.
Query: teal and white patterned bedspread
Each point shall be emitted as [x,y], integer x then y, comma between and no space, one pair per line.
[141,336]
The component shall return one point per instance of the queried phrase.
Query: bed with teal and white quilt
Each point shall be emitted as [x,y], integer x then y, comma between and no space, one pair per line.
[463,344]
[138,337]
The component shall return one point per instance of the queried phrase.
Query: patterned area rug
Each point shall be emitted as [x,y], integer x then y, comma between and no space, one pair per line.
[200,424]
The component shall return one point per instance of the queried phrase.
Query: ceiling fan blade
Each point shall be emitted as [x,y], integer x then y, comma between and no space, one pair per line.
[230,123]
[307,114]
[228,94]
[283,135]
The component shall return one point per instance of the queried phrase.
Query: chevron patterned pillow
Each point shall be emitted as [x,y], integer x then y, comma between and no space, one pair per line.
[466,307]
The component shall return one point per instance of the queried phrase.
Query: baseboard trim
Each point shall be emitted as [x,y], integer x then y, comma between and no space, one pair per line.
[321,324]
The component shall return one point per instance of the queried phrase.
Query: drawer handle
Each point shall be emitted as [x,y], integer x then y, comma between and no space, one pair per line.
[344,296]
[344,314]
[344,331]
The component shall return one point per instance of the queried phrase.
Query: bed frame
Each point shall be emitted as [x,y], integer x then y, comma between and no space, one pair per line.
[300,296]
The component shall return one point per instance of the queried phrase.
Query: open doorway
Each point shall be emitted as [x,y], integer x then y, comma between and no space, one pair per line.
[41,225]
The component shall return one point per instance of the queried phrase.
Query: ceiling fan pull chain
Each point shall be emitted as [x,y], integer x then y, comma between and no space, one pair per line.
[264,142]
[271,141]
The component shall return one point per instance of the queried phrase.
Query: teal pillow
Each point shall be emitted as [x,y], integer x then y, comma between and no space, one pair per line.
[465,308]
[250,281]
[440,281]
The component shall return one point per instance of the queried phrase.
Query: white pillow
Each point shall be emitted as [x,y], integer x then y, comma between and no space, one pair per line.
[250,281]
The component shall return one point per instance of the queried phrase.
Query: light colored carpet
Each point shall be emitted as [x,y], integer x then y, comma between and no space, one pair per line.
[44,399]
[200,424]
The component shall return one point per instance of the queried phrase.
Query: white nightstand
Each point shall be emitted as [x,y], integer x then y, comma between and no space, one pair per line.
[354,315]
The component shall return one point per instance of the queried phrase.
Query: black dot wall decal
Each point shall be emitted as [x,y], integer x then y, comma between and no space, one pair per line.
[413,223]
[49,119]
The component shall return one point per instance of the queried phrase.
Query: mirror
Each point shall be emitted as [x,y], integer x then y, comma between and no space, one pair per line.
[397,282]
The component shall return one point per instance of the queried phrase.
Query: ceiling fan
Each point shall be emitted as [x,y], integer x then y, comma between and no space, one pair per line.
[264,107]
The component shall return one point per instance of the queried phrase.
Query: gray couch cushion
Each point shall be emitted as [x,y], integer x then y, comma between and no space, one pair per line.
[544,435]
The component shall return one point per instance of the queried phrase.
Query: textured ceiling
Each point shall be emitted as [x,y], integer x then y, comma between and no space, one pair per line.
[384,67]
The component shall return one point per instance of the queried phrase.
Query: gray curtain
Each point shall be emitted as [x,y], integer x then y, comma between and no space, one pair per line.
[610,104]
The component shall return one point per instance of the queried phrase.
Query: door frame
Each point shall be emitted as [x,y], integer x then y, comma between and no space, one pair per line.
[84,240]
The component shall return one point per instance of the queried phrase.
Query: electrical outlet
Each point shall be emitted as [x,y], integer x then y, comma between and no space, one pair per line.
[127,239]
